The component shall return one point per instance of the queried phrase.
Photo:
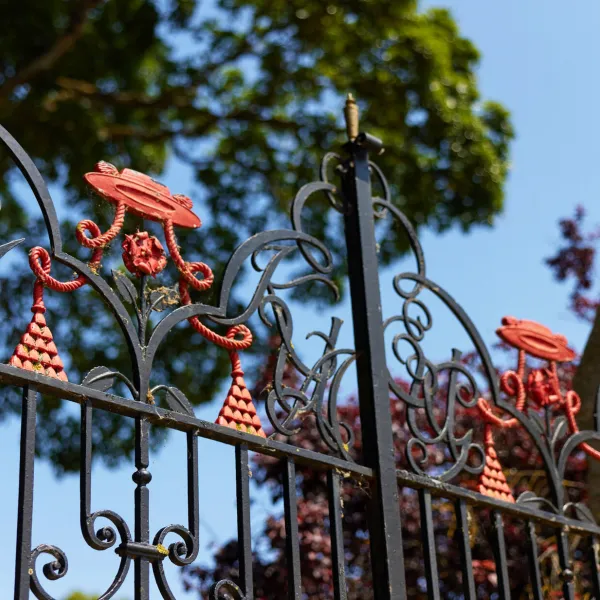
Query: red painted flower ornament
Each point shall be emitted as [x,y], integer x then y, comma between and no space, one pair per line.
[533,389]
[143,254]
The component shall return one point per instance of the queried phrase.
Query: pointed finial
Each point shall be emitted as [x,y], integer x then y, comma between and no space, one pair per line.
[351,116]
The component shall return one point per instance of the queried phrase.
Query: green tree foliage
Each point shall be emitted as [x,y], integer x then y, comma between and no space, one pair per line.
[243,91]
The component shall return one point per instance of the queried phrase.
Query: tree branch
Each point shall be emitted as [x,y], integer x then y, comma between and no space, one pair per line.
[174,97]
[117,131]
[61,46]
[205,121]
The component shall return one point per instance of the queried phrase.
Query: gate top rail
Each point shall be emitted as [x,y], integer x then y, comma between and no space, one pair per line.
[531,399]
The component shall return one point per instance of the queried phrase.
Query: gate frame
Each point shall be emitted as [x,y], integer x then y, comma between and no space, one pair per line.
[359,208]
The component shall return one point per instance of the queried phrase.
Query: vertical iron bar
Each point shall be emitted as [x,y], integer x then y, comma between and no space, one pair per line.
[428,537]
[192,486]
[594,560]
[464,542]
[292,540]
[191,543]
[242,472]
[534,562]
[499,548]
[338,559]
[567,575]
[85,464]
[142,316]
[142,507]
[376,423]
[142,476]
[25,507]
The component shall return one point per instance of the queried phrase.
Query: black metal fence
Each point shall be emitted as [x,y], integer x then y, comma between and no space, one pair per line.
[145,551]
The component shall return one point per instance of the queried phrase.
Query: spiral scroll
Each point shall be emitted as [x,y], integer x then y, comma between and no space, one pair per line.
[226,590]
[54,570]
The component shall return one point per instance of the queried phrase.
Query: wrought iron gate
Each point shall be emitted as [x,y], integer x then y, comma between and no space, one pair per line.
[533,401]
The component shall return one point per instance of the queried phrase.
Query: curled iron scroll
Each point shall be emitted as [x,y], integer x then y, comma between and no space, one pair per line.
[54,570]
[416,320]
[226,590]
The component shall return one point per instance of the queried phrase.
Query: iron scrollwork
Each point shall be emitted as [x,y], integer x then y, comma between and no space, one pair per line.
[531,402]
[534,403]
[105,537]
[54,570]
[144,256]
[416,320]
[226,590]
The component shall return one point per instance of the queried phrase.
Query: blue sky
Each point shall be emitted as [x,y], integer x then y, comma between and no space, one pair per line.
[539,59]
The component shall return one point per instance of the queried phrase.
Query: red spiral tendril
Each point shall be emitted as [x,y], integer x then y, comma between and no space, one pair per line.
[228,341]
[187,269]
[40,263]
[98,239]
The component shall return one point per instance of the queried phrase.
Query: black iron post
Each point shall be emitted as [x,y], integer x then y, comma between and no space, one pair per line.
[25,515]
[142,477]
[374,397]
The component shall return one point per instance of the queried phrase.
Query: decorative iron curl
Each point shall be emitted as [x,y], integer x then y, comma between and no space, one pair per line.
[53,571]
[320,380]
[320,261]
[580,512]
[282,252]
[331,192]
[267,240]
[341,167]
[105,537]
[226,590]
[416,320]
[465,393]
[181,553]
[575,441]
[425,377]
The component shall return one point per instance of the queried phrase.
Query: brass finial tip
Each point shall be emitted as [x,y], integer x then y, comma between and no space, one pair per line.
[351,116]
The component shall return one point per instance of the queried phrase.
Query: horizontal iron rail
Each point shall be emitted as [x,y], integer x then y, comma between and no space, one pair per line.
[521,511]
[174,420]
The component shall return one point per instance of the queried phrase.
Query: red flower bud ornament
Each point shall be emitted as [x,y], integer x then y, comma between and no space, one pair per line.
[143,254]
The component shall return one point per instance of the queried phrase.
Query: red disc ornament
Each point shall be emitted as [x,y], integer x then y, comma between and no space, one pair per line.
[142,195]
[535,339]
